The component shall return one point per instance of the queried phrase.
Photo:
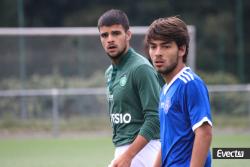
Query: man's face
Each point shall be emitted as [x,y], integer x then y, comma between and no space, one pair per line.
[115,40]
[165,55]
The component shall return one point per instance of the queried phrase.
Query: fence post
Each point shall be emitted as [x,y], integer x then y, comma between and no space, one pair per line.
[248,95]
[55,113]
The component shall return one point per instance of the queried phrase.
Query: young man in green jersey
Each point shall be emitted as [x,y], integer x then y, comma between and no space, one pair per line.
[132,93]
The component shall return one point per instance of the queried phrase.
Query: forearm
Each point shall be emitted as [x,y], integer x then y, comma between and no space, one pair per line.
[151,126]
[203,138]
[147,132]
[135,147]
[157,162]
[126,158]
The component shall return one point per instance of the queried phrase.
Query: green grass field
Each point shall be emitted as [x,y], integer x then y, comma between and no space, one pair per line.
[87,151]
[80,152]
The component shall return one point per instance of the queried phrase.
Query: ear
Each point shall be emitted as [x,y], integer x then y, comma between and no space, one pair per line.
[128,35]
[182,50]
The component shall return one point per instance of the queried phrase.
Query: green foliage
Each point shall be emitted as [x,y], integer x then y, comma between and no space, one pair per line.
[42,106]
[218,78]
[233,103]
[230,103]
[54,81]
[217,25]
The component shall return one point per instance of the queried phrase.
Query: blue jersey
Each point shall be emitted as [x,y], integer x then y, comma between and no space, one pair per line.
[184,106]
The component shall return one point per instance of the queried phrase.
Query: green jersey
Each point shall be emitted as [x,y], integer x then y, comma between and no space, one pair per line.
[133,95]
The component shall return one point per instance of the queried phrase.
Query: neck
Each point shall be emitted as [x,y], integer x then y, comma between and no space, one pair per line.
[168,77]
[117,60]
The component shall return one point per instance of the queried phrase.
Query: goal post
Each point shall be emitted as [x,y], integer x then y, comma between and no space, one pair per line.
[69,49]
[93,31]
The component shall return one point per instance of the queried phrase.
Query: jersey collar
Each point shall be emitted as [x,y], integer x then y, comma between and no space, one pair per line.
[123,59]
[167,86]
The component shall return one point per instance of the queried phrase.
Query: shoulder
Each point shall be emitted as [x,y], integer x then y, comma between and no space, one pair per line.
[192,83]
[187,76]
[143,71]
[190,80]
[138,59]
[144,68]
[141,64]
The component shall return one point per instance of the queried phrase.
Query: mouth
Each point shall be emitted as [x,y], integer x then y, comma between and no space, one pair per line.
[111,47]
[158,63]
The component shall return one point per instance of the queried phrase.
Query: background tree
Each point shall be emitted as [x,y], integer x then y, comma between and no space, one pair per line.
[217,23]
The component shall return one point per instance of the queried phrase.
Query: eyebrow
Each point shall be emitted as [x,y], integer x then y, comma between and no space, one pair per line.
[166,42]
[104,33]
[161,43]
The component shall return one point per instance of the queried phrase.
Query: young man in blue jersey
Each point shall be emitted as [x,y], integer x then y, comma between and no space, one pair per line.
[185,118]
[133,94]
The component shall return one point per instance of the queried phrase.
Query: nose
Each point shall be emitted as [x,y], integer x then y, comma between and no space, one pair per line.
[110,39]
[158,51]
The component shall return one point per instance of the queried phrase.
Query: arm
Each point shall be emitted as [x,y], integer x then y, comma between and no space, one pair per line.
[126,158]
[202,141]
[148,88]
[157,162]
[198,106]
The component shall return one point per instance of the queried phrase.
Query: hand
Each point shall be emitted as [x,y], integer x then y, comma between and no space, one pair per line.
[157,162]
[123,161]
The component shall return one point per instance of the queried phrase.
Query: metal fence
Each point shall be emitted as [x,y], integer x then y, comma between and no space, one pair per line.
[35,60]
[60,104]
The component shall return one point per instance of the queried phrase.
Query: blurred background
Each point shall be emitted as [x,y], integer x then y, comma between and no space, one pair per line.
[52,63]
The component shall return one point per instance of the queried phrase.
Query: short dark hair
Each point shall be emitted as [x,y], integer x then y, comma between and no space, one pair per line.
[112,17]
[169,29]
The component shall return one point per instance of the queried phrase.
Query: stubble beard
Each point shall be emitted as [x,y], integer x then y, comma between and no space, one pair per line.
[118,55]
[170,68]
